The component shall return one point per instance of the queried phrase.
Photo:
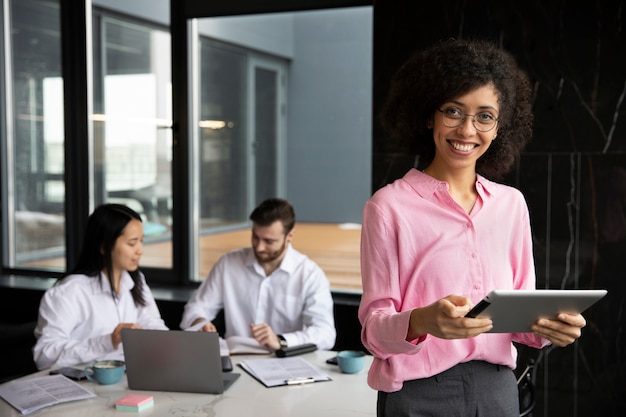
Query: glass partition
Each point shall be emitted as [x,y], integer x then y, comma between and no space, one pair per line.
[34,146]
[281,108]
[132,126]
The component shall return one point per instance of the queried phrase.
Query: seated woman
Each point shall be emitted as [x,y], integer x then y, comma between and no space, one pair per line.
[82,316]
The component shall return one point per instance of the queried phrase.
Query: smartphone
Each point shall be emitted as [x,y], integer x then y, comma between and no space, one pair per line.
[332,361]
[227,365]
[72,373]
[478,308]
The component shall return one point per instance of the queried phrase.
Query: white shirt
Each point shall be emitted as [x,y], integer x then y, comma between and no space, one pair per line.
[77,317]
[295,300]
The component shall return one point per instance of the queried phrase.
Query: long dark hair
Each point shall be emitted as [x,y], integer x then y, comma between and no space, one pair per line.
[104,226]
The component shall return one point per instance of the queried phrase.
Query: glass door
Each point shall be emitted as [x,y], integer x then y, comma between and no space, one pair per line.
[238,127]
[267,129]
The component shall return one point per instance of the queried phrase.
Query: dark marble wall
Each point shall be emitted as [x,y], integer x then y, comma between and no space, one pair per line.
[573,173]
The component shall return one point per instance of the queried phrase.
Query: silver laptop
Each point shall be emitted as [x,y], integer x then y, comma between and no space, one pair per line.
[174,360]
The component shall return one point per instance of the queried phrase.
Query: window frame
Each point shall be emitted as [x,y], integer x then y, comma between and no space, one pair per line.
[77,66]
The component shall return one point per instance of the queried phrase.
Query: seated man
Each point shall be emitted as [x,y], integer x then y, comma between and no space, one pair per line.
[269,291]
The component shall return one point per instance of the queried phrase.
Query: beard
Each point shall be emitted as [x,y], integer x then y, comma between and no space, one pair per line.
[270,256]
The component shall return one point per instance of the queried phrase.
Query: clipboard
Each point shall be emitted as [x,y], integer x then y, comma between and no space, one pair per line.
[275,372]
[513,311]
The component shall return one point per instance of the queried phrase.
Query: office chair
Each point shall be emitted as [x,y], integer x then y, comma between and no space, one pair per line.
[526,389]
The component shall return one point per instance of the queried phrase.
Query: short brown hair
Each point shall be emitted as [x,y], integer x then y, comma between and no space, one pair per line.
[274,209]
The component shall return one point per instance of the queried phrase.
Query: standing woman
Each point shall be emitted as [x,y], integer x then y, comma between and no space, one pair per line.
[81,317]
[436,241]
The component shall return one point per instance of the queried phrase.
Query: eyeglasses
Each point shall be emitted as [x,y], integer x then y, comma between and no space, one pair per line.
[454,117]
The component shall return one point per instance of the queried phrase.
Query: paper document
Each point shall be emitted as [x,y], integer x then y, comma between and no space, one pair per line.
[241,345]
[235,345]
[33,394]
[273,372]
[196,326]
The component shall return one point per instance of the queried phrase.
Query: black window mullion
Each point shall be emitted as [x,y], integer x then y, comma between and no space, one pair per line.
[74,58]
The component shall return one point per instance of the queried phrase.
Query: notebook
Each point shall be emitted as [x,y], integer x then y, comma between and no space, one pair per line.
[174,360]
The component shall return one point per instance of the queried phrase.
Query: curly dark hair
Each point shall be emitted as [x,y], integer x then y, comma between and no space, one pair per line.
[451,69]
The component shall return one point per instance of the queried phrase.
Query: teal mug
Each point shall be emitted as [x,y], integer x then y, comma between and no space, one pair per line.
[351,361]
[106,372]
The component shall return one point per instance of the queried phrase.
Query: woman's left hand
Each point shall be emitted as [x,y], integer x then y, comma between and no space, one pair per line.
[562,331]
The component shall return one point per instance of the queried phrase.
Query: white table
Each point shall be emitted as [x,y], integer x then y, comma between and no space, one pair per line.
[346,395]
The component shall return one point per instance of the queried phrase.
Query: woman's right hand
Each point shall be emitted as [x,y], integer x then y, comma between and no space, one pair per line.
[116,336]
[445,319]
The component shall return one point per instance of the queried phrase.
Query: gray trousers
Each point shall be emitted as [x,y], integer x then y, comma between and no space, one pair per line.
[472,389]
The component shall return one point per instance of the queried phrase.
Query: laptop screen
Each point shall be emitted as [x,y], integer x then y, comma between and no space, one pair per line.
[174,360]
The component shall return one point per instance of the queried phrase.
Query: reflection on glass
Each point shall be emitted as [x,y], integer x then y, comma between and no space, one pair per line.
[222,135]
[133,125]
[238,131]
[132,131]
[238,163]
[37,217]
[266,118]
[283,104]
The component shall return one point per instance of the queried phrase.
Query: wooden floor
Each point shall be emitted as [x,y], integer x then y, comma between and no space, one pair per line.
[334,247]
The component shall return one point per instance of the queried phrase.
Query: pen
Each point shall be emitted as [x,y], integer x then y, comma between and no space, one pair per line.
[298,381]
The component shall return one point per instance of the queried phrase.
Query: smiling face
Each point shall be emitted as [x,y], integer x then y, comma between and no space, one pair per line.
[128,248]
[458,148]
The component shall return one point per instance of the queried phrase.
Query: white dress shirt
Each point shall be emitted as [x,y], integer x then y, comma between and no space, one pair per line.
[77,317]
[294,300]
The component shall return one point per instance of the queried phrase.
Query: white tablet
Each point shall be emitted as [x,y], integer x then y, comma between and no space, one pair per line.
[513,311]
